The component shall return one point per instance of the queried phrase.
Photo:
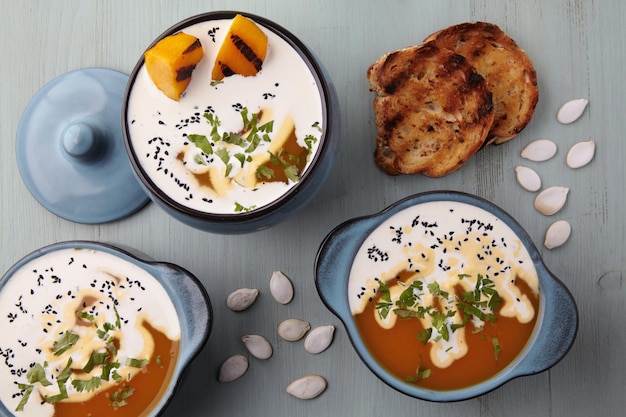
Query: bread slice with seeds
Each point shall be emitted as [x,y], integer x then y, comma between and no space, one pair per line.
[506,68]
[433,110]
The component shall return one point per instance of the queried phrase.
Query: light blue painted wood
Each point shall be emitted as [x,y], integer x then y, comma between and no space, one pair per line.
[578,50]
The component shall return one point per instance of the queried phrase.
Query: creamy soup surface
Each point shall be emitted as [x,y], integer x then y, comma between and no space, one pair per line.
[284,95]
[68,312]
[449,265]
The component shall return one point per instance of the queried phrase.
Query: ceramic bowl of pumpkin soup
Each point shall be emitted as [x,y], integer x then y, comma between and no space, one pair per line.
[92,329]
[230,122]
[445,297]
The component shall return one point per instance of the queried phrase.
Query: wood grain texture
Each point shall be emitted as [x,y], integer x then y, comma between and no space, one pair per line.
[578,51]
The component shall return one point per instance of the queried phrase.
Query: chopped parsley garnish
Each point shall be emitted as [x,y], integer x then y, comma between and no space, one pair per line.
[118,398]
[137,363]
[248,140]
[64,343]
[496,347]
[88,385]
[202,143]
[481,303]
[103,362]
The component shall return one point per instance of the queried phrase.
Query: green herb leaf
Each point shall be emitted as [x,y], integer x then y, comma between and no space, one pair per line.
[292,173]
[107,368]
[137,363]
[223,155]
[267,127]
[202,143]
[83,315]
[424,335]
[254,141]
[28,389]
[263,171]
[96,359]
[65,342]
[37,374]
[116,376]
[62,379]
[496,347]
[435,290]
[118,320]
[422,373]
[241,158]
[119,398]
[440,322]
[88,385]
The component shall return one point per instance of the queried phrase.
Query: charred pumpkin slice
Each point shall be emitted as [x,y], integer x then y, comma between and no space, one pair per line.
[171,61]
[243,50]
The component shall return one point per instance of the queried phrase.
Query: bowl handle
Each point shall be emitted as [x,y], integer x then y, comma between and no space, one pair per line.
[332,267]
[558,330]
[192,303]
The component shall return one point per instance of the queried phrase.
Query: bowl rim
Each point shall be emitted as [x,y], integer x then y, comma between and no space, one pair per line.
[196,341]
[335,296]
[328,118]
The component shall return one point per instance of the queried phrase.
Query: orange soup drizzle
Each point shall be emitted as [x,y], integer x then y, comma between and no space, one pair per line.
[149,385]
[400,351]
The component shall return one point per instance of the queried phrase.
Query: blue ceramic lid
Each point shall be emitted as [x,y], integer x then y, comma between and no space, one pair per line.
[70,150]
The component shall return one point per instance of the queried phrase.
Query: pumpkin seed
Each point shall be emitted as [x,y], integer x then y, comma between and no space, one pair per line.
[293,329]
[551,200]
[319,339]
[307,387]
[233,368]
[258,346]
[281,287]
[557,234]
[539,150]
[571,110]
[528,178]
[242,298]
[581,154]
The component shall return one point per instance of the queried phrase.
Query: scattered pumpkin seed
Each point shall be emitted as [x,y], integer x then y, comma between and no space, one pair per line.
[241,298]
[539,150]
[551,200]
[307,387]
[319,339]
[258,346]
[528,178]
[581,154]
[233,368]
[281,287]
[571,110]
[293,329]
[557,234]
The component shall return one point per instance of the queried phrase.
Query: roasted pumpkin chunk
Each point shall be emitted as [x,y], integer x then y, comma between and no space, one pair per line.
[171,61]
[243,50]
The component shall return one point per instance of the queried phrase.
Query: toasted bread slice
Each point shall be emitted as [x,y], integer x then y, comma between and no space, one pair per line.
[506,67]
[433,110]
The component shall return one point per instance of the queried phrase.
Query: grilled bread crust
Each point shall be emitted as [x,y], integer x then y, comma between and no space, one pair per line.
[433,110]
[506,67]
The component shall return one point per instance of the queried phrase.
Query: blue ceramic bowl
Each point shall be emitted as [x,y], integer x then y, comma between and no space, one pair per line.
[554,332]
[289,203]
[187,294]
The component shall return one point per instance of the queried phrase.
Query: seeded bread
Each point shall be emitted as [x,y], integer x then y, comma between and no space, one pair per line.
[433,110]
[506,67]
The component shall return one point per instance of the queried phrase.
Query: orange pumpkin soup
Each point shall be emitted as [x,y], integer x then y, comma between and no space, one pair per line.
[444,295]
[85,334]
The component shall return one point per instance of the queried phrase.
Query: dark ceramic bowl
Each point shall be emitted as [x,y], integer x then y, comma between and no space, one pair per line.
[283,206]
[553,335]
[188,295]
